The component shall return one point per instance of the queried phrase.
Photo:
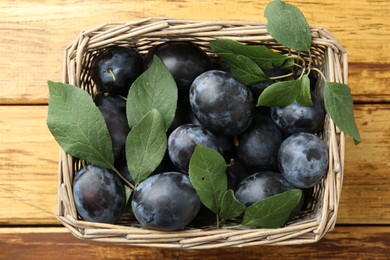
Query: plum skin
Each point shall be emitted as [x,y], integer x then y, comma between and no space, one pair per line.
[165,201]
[102,99]
[221,103]
[261,185]
[184,60]
[303,159]
[118,129]
[295,118]
[259,145]
[99,194]
[116,68]
[183,140]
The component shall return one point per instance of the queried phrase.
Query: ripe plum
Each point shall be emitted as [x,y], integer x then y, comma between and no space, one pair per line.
[259,145]
[261,185]
[184,60]
[295,118]
[221,103]
[183,140]
[118,128]
[115,69]
[99,194]
[165,201]
[303,159]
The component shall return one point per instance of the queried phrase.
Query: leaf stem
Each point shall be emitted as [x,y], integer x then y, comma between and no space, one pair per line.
[218,220]
[282,76]
[320,72]
[123,179]
[234,226]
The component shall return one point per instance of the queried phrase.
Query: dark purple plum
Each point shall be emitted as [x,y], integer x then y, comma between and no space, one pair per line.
[118,128]
[259,144]
[183,140]
[295,118]
[235,172]
[205,217]
[261,185]
[115,69]
[259,87]
[314,79]
[185,61]
[99,195]
[303,159]
[218,64]
[183,115]
[124,171]
[104,99]
[226,145]
[165,201]
[221,103]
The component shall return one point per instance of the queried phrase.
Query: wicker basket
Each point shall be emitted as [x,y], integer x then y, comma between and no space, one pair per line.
[309,226]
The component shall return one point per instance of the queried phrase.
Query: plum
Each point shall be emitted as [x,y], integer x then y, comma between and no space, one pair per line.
[259,145]
[261,185]
[115,69]
[303,159]
[295,118]
[165,201]
[104,99]
[221,103]
[235,172]
[185,61]
[118,128]
[183,140]
[99,194]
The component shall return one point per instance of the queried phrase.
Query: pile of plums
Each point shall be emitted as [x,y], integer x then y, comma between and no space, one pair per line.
[268,150]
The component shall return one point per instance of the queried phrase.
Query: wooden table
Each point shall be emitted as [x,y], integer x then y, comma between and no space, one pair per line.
[33,36]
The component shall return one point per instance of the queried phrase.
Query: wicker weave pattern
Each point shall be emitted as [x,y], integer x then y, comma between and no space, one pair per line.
[310,226]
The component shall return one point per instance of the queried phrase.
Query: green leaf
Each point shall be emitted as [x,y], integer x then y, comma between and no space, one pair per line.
[288,26]
[244,69]
[339,104]
[230,206]
[78,125]
[264,57]
[274,211]
[280,93]
[207,174]
[145,146]
[304,97]
[155,88]
[128,192]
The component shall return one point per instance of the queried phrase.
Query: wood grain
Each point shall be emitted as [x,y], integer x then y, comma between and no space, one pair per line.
[28,166]
[34,35]
[29,156]
[367,168]
[344,242]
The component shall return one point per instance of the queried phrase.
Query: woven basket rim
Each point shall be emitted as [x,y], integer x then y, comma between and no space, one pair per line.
[141,33]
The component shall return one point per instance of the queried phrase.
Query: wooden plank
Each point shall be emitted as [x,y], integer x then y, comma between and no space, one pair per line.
[29,156]
[28,166]
[344,242]
[367,167]
[35,34]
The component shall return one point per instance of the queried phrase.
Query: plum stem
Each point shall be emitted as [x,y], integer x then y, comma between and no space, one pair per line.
[111,73]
